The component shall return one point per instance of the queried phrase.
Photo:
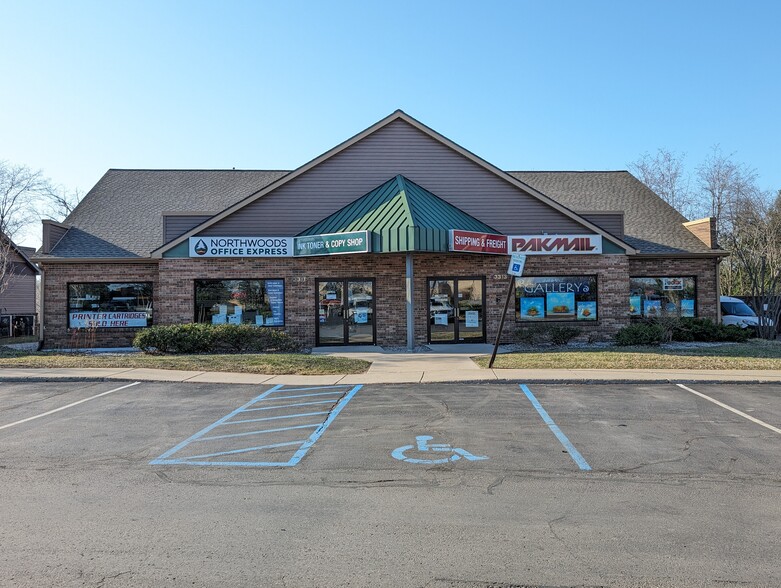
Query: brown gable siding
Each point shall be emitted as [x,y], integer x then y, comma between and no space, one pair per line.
[175,225]
[612,222]
[397,148]
[19,297]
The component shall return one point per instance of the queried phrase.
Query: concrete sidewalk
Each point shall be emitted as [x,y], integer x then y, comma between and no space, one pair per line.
[400,368]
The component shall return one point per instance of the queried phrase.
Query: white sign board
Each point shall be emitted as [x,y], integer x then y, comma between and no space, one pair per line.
[86,320]
[241,246]
[517,261]
[440,318]
[555,244]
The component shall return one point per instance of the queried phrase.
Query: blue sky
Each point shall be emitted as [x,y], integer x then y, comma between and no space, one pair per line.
[526,85]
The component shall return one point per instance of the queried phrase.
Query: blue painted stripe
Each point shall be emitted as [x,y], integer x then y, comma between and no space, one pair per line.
[315,388]
[282,416]
[332,393]
[246,464]
[202,432]
[290,405]
[257,432]
[321,429]
[258,448]
[574,453]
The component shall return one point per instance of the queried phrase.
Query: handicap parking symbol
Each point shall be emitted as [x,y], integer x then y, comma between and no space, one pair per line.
[423,445]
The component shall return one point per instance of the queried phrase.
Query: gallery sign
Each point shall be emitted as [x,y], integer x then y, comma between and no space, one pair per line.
[241,246]
[472,242]
[556,244]
[331,244]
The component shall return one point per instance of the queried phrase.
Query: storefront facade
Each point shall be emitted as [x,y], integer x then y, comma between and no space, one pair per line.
[397,237]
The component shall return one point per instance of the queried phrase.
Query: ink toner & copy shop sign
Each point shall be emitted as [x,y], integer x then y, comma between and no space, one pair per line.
[241,246]
[556,244]
[471,242]
[332,244]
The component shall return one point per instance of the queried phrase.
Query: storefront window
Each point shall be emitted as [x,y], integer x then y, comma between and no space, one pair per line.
[109,305]
[655,297]
[234,302]
[565,298]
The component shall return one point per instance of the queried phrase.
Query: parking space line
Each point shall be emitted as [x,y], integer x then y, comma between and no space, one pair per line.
[32,418]
[341,396]
[729,408]
[282,416]
[574,453]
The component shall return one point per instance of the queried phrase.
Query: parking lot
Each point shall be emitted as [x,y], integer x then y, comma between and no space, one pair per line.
[464,485]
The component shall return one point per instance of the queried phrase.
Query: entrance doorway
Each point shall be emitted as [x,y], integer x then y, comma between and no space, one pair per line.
[345,312]
[456,310]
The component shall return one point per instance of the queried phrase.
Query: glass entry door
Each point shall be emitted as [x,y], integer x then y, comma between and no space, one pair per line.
[345,312]
[456,310]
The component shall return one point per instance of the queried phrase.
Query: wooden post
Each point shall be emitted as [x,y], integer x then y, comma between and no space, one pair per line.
[501,322]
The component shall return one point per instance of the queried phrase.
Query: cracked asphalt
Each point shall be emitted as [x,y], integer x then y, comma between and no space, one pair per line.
[681,491]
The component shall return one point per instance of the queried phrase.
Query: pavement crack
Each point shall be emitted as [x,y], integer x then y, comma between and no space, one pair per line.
[495,484]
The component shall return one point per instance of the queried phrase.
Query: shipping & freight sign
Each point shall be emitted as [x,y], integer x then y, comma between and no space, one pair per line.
[471,242]
[241,246]
[556,244]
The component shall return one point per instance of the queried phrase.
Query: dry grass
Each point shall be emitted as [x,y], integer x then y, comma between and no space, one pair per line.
[262,363]
[754,355]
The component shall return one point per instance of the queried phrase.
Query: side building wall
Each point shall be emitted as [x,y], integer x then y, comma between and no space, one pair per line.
[174,291]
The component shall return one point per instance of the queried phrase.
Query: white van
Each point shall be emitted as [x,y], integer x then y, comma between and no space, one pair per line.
[736,312]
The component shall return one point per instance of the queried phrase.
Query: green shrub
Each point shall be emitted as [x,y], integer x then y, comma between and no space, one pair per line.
[539,334]
[703,329]
[205,338]
[640,334]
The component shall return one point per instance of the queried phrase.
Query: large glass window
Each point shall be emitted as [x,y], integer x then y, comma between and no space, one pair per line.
[664,296]
[234,302]
[109,305]
[556,298]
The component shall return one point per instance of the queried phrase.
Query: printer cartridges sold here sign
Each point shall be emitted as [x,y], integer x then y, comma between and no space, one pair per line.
[333,244]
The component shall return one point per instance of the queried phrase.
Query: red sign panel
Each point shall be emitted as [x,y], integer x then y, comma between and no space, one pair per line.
[469,242]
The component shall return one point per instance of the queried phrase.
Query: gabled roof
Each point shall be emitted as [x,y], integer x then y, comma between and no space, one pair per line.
[401,216]
[397,115]
[650,224]
[122,215]
[22,252]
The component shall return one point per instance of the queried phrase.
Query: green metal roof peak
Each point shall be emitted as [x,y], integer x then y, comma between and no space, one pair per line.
[401,216]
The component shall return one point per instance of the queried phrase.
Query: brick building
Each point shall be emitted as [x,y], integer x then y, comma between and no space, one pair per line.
[396,236]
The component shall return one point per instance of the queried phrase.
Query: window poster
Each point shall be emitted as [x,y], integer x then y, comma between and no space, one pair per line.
[440,318]
[560,304]
[687,308]
[635,306]
[532,308]
[275,290]
[472,318]
[652,308]
[361,316]
[587,311]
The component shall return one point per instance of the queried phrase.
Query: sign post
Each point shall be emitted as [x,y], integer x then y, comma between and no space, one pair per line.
[515,269]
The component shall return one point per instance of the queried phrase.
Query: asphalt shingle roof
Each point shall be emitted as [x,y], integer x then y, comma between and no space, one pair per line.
[650,224]
[122,216]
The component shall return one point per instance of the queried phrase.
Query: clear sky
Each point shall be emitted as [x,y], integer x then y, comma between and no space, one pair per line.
[88,86]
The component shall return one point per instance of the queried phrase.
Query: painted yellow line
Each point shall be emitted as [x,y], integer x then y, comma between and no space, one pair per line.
[735,410]
[32,418]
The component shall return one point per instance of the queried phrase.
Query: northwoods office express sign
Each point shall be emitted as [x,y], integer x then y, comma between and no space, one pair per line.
[309,245]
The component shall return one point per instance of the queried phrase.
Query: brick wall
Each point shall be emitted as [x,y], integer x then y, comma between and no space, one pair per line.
[56,333]
[173,294]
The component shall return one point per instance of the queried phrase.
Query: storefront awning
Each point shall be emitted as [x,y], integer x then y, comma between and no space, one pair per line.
[400,217]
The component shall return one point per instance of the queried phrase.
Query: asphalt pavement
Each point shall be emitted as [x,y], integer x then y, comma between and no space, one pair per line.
[110,483]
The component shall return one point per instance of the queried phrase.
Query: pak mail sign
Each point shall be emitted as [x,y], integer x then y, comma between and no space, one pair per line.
[556,244]
[471,242]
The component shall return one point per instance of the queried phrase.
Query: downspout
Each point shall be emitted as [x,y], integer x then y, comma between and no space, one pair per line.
[40,309]
[410,308]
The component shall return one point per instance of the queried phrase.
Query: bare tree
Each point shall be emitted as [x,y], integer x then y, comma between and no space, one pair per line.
[58,201]
[755,244]
[725,186]
[20,190]
[665,174]
[7,265]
